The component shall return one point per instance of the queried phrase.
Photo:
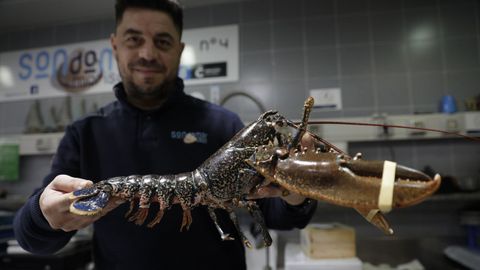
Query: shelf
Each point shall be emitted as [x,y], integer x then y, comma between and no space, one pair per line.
[463,123]
[466,123]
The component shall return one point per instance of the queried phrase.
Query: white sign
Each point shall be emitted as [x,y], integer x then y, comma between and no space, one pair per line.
[327,98]
[210,56]
[88,67]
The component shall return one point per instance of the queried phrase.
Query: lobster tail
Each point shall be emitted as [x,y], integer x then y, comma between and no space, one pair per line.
[90,205]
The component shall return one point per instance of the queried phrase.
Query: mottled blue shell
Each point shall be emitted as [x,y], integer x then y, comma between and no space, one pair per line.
[91,205]
[85,192]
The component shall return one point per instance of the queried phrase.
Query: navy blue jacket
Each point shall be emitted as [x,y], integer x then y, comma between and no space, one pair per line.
[122,140]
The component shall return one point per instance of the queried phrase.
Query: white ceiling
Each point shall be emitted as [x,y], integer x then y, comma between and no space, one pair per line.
[24,14]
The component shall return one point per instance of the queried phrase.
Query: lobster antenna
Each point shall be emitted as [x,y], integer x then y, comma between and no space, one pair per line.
[307,109]
[329,144]
[395,126]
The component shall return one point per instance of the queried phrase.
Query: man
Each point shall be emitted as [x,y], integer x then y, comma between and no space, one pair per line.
[137,135]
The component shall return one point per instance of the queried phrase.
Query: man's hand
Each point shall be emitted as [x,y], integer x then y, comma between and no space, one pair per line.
[55,203]
[276,191]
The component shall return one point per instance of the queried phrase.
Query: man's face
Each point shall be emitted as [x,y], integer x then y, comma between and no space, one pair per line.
[147,47]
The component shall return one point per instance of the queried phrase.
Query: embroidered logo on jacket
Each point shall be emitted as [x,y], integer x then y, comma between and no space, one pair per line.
[190,137]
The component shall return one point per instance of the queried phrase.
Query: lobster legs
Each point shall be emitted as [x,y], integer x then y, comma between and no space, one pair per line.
[187,189]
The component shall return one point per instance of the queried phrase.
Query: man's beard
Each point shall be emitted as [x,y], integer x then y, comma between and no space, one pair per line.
[149,93]
[154,92]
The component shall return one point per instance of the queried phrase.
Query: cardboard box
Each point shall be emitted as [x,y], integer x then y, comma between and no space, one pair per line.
[328,241]
[295,259]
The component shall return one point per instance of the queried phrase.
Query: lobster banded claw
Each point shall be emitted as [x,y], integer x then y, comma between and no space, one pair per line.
[343,181]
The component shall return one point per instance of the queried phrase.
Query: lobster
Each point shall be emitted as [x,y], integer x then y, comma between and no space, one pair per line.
[271,150]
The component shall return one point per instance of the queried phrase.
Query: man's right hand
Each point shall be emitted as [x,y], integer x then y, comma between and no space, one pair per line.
[55,203]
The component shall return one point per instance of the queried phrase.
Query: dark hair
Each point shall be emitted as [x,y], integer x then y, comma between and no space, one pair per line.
[171,7]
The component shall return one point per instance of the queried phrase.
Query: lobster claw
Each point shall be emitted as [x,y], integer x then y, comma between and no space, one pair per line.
[366,186]
[409,186]
[377,219]
[405,191]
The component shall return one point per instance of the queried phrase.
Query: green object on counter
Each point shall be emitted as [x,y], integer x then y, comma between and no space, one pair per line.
[9,161]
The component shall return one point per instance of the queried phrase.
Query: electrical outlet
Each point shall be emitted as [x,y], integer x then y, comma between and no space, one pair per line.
[452,125]
[472,121]
[215,94]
